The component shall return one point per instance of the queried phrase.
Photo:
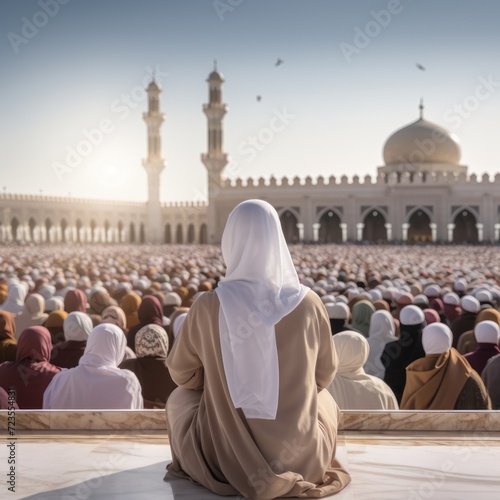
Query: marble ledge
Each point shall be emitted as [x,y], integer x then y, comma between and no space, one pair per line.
[150,420]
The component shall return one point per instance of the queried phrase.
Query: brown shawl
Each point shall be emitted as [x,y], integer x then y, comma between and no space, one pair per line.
[435,381]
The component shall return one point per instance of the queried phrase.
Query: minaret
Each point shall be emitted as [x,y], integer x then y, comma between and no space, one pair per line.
[215,160]
[154,163]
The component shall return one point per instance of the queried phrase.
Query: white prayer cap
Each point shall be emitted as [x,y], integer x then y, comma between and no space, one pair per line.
[487,332]
[341,298]
[411,315]
[352,293]
[460,285]
[421,299]
[375,294]
[432,290]
[451,298]
[176,282]
[484,296]
[470,304]
[436,338]
[337,311]
[328,299]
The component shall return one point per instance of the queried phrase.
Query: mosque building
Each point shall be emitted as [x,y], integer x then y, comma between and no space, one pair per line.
[422,194]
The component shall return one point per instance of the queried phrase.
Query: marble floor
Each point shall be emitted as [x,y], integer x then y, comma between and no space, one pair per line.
[131,465]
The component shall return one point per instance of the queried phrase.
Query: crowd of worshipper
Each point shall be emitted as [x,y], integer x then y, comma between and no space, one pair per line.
[91,327]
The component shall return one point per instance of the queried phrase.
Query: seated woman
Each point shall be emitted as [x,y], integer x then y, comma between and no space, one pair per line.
[252,360]
[352,388]
[150,366]
[443,379]
[382,331]
[97,382]
[77,328]
[32,372]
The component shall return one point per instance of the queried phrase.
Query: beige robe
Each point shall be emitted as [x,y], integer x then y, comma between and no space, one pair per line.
[216,446]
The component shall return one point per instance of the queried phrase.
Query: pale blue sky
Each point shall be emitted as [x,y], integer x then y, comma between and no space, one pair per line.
[72,73]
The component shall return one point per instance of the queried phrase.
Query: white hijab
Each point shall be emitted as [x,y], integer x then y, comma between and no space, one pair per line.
[352,388]
[14,303]
[77,326]
[97,382]
[382,331]
[260,288]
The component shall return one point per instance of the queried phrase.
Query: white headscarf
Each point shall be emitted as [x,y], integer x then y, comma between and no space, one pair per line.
[77,326]
[97,382]
[487,332]
[352,388]
[32,314]
[260,288]
[382,331]
[436,338]
[14,303]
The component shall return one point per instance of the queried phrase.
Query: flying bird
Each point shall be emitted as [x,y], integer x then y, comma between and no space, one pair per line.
[420,67]
[279,62]
[259,98]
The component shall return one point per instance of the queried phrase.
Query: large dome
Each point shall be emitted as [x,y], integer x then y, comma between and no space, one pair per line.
[422,142]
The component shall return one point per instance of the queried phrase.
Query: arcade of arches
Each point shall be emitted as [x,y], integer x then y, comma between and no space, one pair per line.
[61,231]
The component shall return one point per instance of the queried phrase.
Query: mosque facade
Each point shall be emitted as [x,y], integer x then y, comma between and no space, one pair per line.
[421,194]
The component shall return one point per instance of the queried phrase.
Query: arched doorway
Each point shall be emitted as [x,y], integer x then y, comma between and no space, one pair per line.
[465,227]
[289,225]
[203,234]
[329,229]
[190,235]
[419,230]
[374,229]
[167,237]
[179,237]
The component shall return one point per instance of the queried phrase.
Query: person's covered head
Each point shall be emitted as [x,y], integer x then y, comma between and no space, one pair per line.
[34,306]
[487,332]
[151,341]
[75,300]
[431,316]
[150,310]
[34,344]
[470,304]
[352,350]
[100,300]
[436,338]
[382,325]
[105,347]
[115,316]
[7,326]
[489,314]
[361,314]
[254,247]
[77,327]
[411,316]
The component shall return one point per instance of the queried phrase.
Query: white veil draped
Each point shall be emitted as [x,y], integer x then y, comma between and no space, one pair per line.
[261,286]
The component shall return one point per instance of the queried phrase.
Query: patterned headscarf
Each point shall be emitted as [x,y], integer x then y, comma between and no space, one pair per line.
[151,341]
